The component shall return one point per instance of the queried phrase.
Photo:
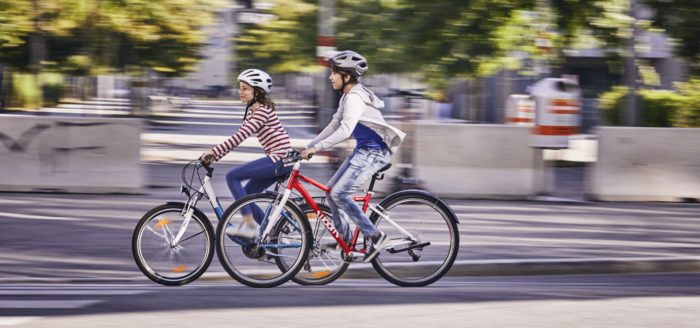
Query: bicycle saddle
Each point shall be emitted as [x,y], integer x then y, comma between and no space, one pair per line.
[386,167]
[283,178]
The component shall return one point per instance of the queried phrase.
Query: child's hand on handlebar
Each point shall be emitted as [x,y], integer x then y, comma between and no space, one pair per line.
[307,153]
[207,157]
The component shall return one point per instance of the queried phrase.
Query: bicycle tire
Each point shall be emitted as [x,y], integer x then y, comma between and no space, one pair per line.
[414,210]
[149,243]
[322,266]
[249,262]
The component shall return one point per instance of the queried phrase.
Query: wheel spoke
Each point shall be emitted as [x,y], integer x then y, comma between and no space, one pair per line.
[431,225]
[280,256]
[190,237]
[171,264]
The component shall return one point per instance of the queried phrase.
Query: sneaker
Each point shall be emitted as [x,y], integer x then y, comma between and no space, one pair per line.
[330,244]
[374,247]
[244,231]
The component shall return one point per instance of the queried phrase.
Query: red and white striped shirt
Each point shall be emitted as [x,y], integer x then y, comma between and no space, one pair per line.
[264,123]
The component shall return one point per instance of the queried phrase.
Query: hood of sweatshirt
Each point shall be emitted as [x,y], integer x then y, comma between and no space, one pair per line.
[368,97]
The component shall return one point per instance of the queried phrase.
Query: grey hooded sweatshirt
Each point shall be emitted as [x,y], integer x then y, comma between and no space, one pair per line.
[363,106]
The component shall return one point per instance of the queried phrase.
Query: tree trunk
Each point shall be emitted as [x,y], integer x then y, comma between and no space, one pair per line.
[630,113]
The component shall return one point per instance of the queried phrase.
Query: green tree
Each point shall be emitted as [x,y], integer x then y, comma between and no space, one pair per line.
[453,38]
[442,39]
[80,35]
[284,43]
[679,18]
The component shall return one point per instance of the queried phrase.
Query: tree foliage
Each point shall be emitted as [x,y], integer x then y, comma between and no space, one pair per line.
[285,43]
[81,36]
[442,39]
[679,18]
[458,38]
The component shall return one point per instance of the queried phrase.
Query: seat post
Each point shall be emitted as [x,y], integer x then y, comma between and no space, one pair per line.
[378,176]
[375,177]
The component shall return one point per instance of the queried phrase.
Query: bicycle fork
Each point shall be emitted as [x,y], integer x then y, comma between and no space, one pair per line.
[188,210]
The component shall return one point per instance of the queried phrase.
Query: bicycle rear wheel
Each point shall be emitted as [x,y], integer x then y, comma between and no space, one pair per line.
[419,262]
[324,264]
[254,262]
[165,262]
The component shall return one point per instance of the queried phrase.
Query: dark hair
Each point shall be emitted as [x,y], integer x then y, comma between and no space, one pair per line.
[259,96]
[344,72]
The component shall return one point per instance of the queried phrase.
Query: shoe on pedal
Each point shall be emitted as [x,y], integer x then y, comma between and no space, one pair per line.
[329,245]
[243,231]
[375,246]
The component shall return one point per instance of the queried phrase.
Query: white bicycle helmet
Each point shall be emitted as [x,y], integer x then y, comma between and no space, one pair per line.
[350,61]
[256,78]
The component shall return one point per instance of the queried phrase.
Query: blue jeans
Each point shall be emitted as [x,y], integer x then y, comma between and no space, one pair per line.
[261,174]
[356,170]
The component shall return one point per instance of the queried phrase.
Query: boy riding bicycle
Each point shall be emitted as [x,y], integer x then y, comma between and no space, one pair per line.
[358,116]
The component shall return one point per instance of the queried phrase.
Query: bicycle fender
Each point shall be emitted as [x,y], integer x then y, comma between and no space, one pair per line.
[439,202]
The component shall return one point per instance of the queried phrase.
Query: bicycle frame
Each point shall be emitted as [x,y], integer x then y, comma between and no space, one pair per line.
[206,189]
[295,183]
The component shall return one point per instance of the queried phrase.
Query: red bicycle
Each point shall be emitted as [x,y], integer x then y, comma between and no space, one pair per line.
[422,243]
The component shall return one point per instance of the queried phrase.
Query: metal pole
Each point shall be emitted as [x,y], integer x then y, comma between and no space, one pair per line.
[325,42]
[629,115]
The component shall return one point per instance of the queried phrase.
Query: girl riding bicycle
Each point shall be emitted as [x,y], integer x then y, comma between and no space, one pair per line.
[358,116]
[259,119]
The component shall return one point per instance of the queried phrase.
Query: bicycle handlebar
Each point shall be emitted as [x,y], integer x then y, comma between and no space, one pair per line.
[293,156]
[205,165]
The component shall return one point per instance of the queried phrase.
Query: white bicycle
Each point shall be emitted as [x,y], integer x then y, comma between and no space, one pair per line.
[173,244]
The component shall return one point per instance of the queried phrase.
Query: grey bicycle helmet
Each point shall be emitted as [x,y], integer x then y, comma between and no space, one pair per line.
[350,61]
[257,78]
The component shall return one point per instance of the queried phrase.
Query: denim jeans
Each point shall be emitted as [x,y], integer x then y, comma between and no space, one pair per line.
[356,170]
[261,174]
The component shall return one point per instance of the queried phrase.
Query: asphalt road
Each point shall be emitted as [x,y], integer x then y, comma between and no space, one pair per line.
[666,300]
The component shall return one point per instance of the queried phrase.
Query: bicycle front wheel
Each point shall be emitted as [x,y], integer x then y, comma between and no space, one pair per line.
[428,246]
[164,260]
[252,261]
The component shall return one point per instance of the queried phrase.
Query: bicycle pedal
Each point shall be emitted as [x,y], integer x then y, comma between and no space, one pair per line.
[355,257]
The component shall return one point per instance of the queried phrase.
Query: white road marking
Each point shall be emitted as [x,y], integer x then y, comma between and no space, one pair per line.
[69,292]
[52,304]
[37,217]
[15,321]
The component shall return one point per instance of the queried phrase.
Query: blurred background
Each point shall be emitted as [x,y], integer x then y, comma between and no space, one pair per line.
[633,62]
[469,54]
[592,103]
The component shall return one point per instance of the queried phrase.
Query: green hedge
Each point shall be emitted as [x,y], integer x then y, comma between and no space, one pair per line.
[689,114]
[658,108]
[52,88]
[25,90]
[30,91]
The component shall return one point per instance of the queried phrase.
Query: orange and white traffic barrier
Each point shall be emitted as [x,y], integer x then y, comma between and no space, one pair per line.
[557,112]
[520,110]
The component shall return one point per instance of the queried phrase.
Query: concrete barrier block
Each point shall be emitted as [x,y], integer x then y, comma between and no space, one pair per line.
[646,164]
[480,161]
[69,154]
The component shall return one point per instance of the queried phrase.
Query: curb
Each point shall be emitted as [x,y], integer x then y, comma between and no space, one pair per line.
[529,267]
[464,268]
